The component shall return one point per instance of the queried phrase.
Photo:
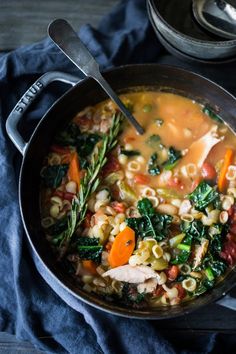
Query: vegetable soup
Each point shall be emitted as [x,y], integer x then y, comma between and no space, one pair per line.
[144,220]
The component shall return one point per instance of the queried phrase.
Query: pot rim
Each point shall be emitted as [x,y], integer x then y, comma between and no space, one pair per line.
[94,300]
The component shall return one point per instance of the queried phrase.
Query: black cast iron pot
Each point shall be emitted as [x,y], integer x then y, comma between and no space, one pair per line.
[87,92]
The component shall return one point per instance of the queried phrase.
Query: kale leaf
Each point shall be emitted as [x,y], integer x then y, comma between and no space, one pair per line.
[145,207]
[130,294]
[207,110]
[52,175]
[68,136]
[156,226]
[85,143]
[203,195]
[173,157]
[183,255]
[196,229]
[154,141]
[153,167]
[57,228]
[204,285]
[89,248]
[130,153]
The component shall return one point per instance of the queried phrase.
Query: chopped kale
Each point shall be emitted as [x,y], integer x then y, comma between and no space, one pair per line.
[195,229]
[218,267]
[207,110]
[181,258]
[130,153]
[145,207]
[85,144]
[183,255]
[59,226]
[156,226]
[131,295]
[153,167]
[69,135]
[173,158]
[89,248]
[52,175]
[203,195]
[154,141]
[204,285]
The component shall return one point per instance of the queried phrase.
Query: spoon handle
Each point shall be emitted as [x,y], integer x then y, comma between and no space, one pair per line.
[69,43]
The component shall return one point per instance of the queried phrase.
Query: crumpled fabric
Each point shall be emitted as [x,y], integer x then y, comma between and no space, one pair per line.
[48,316]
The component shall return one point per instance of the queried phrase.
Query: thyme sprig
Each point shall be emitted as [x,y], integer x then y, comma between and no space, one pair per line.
[91,179]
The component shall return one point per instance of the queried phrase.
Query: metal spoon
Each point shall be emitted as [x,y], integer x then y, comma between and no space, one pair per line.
[69,43]
[217,16]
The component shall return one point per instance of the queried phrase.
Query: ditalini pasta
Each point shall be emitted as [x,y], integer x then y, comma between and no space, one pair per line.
[143,220]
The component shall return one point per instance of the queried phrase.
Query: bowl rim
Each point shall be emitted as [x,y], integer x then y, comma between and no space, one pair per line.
[187,38]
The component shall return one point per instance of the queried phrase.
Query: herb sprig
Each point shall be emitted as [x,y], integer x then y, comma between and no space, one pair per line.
[91,180]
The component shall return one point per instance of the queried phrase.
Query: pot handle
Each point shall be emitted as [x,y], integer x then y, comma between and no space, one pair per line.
[25,101]
[228,302]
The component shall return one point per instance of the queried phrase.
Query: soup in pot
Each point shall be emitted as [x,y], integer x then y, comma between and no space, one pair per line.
[145,220]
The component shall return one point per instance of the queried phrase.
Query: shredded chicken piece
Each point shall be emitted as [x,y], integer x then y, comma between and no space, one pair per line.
[199,150]
[148,286]
[129,274]
[200,252]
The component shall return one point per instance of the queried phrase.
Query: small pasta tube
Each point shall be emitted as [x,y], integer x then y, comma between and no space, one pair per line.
[185,268]
[231,173]
[171,292]
[157,251]
[133,166]
[227,202]
[189,284]
[148,192]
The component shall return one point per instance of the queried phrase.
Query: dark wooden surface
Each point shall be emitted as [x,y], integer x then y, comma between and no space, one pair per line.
[25,21]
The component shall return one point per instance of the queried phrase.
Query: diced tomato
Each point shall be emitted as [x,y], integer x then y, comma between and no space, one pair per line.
[159,291]
[64,195]
[181,291]
[228,252]
[233,229]
[58,193]
[108,246]
[69,196]
[118,207]
[208,171]
[112,165]
[141,179]
[172,272]
[62,150]
[86,222]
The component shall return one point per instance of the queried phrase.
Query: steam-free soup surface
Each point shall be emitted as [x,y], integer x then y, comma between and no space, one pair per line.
[146,220]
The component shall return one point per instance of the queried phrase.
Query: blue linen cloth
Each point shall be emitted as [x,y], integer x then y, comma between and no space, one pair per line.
[56,321]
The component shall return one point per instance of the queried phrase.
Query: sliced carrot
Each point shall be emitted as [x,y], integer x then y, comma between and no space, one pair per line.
[74,170]
[228,159]
[122,248]
[90,266]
